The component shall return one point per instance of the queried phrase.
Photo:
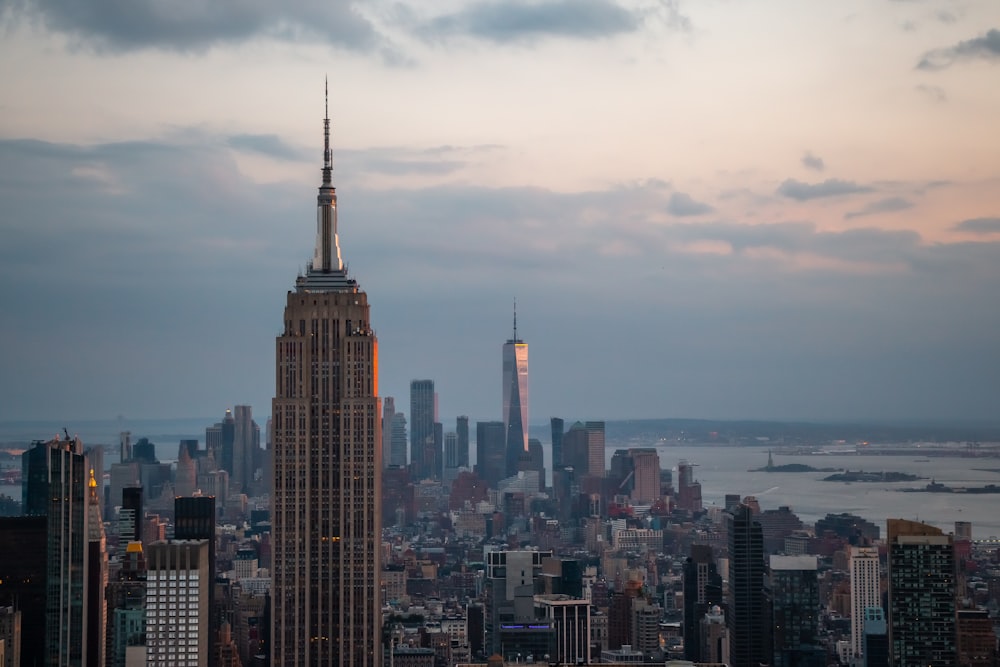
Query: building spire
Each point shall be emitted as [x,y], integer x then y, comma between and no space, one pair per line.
[515,319]
[327,155]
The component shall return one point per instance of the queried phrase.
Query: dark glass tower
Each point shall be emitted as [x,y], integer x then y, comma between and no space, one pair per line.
[423,414]
[35,476]
[132,502]
[23,572]
[794,612]
[462,430]
[749,640]
[558,428]
[68,582]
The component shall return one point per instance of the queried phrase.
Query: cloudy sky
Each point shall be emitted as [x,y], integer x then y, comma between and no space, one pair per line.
[704,208]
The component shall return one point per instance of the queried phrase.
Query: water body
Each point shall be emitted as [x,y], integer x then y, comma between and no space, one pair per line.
[724,469]
[720,469]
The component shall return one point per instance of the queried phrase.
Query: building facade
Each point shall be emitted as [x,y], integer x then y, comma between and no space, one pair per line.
[326,416]
[397,445]
[74,590]
[865,592]
[177,604]
[794,612]
[748,632]
[702,591]
[423,415]
[921,595]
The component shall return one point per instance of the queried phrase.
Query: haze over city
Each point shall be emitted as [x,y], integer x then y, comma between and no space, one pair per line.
[730,210]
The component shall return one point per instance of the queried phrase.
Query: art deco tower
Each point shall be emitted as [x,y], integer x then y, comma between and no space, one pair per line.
[515,399]
[326,517]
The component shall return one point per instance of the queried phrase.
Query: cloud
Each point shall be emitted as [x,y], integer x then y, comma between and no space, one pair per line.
[401,161]
[945,16]
[986,47]
[681,204]
[269,145]
[887,205]
[521,21]
[934,93]
[197,25]
[979,226]
[161,259]
[832,187]
[814,162]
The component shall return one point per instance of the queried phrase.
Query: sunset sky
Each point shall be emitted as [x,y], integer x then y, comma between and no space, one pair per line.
[704,208]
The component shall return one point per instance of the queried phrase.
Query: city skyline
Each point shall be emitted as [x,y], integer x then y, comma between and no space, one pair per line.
[788,211]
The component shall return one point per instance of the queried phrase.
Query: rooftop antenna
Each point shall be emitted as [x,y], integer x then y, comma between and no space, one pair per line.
[327,156]
[515,319]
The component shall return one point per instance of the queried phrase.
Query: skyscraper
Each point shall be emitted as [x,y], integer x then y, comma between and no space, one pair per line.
[702,591]
[515,399]
[794,598]
[865,593]
[423,414]
[557,425]
[688,490]
[194,519]
[462,429]
[246,444]
[748,639]
[130,516]
[97,577]
[583,449]
[23,568]
[450,456]
[397,445]
[177,604]
[219,441]
[921,595]
[326,518]
[646,475]
[595,449]
[74,591]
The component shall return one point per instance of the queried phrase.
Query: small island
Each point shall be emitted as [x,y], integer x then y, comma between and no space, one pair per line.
[789,467]
[862,476]
[792,467]
[935,487]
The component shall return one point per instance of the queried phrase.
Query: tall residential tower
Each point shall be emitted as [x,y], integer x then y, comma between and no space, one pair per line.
[326,517]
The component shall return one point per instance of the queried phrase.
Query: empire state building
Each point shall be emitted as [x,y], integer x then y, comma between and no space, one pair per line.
[326,522]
